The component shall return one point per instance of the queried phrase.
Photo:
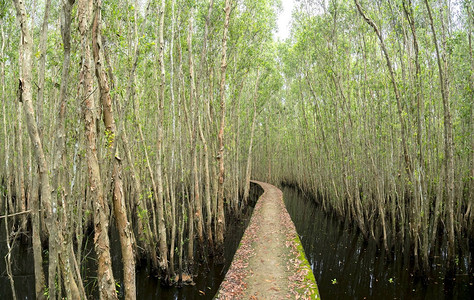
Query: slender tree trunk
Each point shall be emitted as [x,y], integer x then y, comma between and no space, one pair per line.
[207,188]
[183,196]
[369,21]
[8,257]
[470,211]
[71,283]
[41,66]
[125,232]
[237,164]
[206,157]
[20,174]
[160,208]
[5,158]
[26,97]
[248,169]
[150,172]
[424,204]
[7,195]
[220,136]
[193,98]
[448,146]
[269,154]
[105,276]
[173,149]
[144,229]
[37,249]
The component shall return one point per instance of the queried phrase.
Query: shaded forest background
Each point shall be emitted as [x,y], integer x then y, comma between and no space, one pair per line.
[151,116]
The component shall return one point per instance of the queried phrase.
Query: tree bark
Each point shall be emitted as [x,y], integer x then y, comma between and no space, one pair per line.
[4,169]
[42,65]
[106,281]
[408,167]
[193,98]
[220,136]
[8,260]
[207,178]
[470,215]
[424,205]
[26,97]
[173,149]
[163,248]
[123,226]
[73,285]
[448,147]
[20,174]
[144,228]
[248,169]
[37,249]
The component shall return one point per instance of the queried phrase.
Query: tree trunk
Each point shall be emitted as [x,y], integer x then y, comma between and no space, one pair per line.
[206,157]
[193,100]
[8,256]
[408,167]
[448,147]
[37,249]
[105,276]
[125,233]
[20,174]
[248,169]
[26,97]
[71,283]
[470,214]
[144,229]
[207,188]
[123,226]
[173,164]
[42,65]
[160,208]
[424,204]
[220,136]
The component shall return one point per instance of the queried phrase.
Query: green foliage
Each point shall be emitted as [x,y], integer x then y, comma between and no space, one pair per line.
[336,129]
[110,138]
[117,286]
[3,8]
[327,117]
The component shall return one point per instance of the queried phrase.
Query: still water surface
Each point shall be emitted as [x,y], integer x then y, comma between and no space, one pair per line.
[347,268]
[344,266]
[207,281]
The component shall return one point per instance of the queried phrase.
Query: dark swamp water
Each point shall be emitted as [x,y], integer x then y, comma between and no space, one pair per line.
[207,282]
[344,266]
[347,268]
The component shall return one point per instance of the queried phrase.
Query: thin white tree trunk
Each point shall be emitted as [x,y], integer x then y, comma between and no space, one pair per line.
[248,170]
[220,136]
[26,97]
[163,248]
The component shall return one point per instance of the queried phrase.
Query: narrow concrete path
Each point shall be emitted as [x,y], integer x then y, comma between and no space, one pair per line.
[270,261]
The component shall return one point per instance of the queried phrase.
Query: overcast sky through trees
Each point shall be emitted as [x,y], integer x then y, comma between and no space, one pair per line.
[284,19]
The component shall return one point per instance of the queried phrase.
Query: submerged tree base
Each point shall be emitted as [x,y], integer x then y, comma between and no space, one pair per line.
[348,266]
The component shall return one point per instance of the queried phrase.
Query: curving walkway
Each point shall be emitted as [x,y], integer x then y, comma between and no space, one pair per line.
[270,261]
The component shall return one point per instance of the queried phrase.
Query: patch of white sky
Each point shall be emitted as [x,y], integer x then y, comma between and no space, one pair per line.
[284,19]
